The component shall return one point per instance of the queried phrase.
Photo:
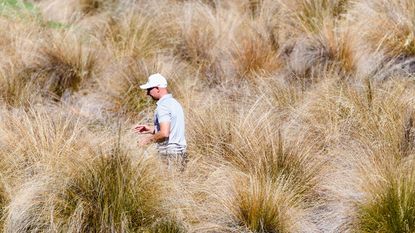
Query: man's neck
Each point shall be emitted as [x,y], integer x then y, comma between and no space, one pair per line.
[163,96]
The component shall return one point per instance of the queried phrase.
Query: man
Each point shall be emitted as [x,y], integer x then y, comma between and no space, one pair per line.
[169,130]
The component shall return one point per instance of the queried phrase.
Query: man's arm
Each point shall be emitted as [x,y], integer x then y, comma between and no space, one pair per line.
[157,137]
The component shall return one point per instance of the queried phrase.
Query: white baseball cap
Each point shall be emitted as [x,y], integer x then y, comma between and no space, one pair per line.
[155,80]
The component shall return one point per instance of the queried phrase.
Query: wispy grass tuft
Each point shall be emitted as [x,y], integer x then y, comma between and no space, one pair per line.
[316,39]
[388,26]
[64,65]
[313,14]
[287,130]
[391,205]
[136,34]
[4,200]
[275,180]
[112,193]
[90,7]
[16,89]
[205,47]
[265,206]
[102,193]
[123,88]
[167,225]
[255,55]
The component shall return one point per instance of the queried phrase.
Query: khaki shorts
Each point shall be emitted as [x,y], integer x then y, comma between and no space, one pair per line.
[175,160]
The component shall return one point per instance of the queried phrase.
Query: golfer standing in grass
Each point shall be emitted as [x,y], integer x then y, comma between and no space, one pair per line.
[169,130]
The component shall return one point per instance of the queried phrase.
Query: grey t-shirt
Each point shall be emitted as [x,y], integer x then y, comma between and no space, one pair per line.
[169,110]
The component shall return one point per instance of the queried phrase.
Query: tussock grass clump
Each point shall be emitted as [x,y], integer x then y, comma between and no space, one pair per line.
[382,142]
[212,142]
[37,139]
[275,197]
[137,34]
[282,94]
[102,193]
[64,64]
[205,48]
[6,38]
[17,49]
[335,104]
[123,87]
[390,205]
[390,133]
[90,7]
[330,52]
[254,54]
[16,90]
[286,130]
[65,182]
[364,110]
[265,206]
[54,68]
[4,200]
[316,38]
[388,26]
[308,17]
[167,225]
[113,194]
[338,49]
[275,180]
[387,40]
[312,14]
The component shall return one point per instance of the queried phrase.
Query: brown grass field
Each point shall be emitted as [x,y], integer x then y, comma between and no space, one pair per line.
[300,115]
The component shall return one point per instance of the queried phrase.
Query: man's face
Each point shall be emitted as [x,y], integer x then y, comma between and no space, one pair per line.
[153,92]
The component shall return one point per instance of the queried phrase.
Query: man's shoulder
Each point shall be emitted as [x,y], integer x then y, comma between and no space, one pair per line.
[169,101]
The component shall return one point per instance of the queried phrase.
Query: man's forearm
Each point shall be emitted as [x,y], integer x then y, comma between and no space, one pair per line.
[157,137]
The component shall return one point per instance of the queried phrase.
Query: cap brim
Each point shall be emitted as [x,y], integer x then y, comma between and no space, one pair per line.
[145,86]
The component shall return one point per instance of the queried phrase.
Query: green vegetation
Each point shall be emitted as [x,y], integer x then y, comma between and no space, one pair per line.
[28,11]
[16,5]
[392,206]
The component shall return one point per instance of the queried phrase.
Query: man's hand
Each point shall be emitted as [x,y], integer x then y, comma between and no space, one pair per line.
[145,141]
[142,129]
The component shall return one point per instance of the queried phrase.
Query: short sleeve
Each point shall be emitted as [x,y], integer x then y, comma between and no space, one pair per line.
[163,114]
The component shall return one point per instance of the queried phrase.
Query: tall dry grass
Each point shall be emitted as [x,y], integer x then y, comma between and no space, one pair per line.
[315,36]
[395,19]
[296,119]
[108,193]
[65,179]
[391,48]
